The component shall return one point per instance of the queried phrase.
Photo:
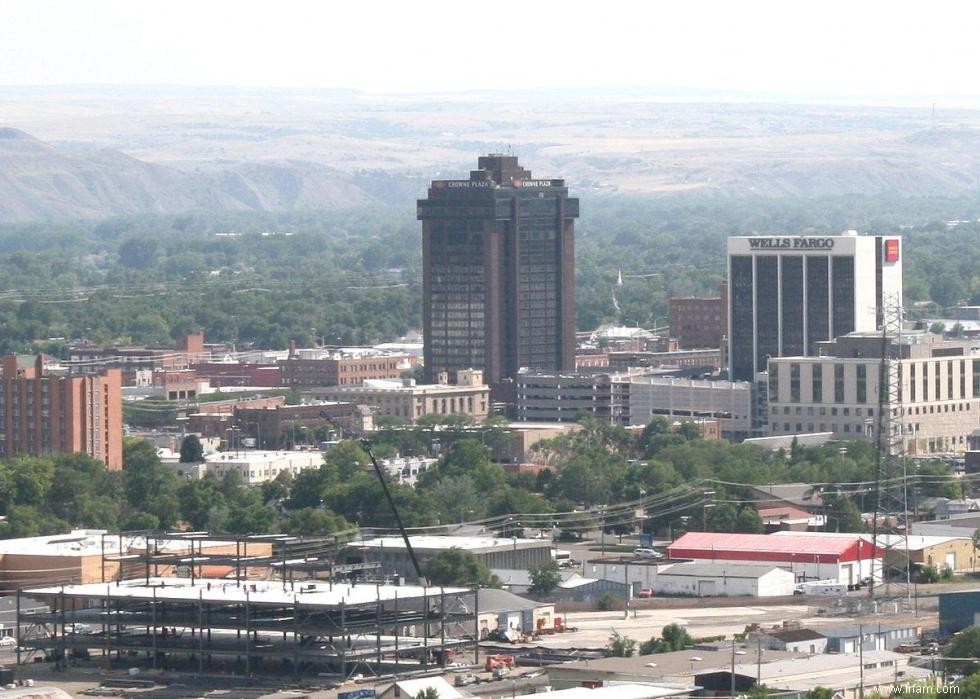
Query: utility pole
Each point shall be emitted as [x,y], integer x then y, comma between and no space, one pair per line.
[861,661]
[733,667]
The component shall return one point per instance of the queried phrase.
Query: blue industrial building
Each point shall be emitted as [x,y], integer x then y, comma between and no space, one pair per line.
[957,610]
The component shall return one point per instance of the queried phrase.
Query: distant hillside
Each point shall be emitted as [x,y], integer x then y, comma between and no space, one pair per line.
[99,152]
[41,182]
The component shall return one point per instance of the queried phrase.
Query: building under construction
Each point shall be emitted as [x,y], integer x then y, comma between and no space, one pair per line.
[253,627]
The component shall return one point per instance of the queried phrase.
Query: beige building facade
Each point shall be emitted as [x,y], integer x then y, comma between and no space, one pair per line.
[934,409]
[410,401]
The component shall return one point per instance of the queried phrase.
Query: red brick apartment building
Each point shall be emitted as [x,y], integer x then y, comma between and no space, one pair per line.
[43,412]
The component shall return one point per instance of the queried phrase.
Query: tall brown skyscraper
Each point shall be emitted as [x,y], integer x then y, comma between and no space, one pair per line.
[498,272]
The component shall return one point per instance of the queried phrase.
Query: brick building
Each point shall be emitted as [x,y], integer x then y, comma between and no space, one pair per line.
[341,370]
[219,374]
[43,412]
[282,426]
[189,350]
[699,323]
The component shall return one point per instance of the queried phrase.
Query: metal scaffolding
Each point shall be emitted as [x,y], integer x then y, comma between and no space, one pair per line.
[150,554]
[255,628]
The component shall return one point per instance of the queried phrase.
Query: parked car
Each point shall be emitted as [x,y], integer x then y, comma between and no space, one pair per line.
[464,680]
[644,552]
[645,593]
[8,642]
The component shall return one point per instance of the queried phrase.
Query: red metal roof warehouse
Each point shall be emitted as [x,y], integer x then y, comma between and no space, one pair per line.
[767,547]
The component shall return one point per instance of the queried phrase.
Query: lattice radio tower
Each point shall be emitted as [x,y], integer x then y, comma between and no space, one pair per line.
[891,520]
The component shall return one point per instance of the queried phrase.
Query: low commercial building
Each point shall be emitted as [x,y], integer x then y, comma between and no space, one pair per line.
[572,588]
[725,580]
[618,691]
[283,426]
[958,610]
[844,675]
[955,553]
[802,496]
[847,559]
[797,640]
[788,518]
[255,466]
[939,551]
[679,667]
[507,613]
[406,469]
[728,402]
[854,638]
[407,400]
[391,554]
[934,409]
[410,689]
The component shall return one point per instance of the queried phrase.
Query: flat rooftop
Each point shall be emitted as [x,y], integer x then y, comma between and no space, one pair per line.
[618,691]
[677,663]
[222,591]
[441,543]
[93,542]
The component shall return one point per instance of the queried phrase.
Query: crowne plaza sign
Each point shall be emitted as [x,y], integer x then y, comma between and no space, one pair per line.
[792,243]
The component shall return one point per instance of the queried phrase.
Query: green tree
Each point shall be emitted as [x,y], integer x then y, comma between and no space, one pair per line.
[456,566]
[722,518]
[965,644]
[970,686]
[656,427]
[311,522]
[544,578]
[819,693]
[842,514]
[619,646]
[347,458]
[428,693]
[198,499]
[673,637]
[749,521]
[150,486]
[191,450]
[459,500]
[689,430]
[468,457]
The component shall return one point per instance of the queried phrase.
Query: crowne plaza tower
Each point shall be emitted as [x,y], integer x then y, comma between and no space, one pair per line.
[498,273]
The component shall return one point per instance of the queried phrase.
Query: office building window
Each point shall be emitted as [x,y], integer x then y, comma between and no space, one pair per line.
[862,383]
[794,382]
[817,383]
[838,383]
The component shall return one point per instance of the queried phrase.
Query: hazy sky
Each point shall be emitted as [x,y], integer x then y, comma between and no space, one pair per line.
[862,50]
